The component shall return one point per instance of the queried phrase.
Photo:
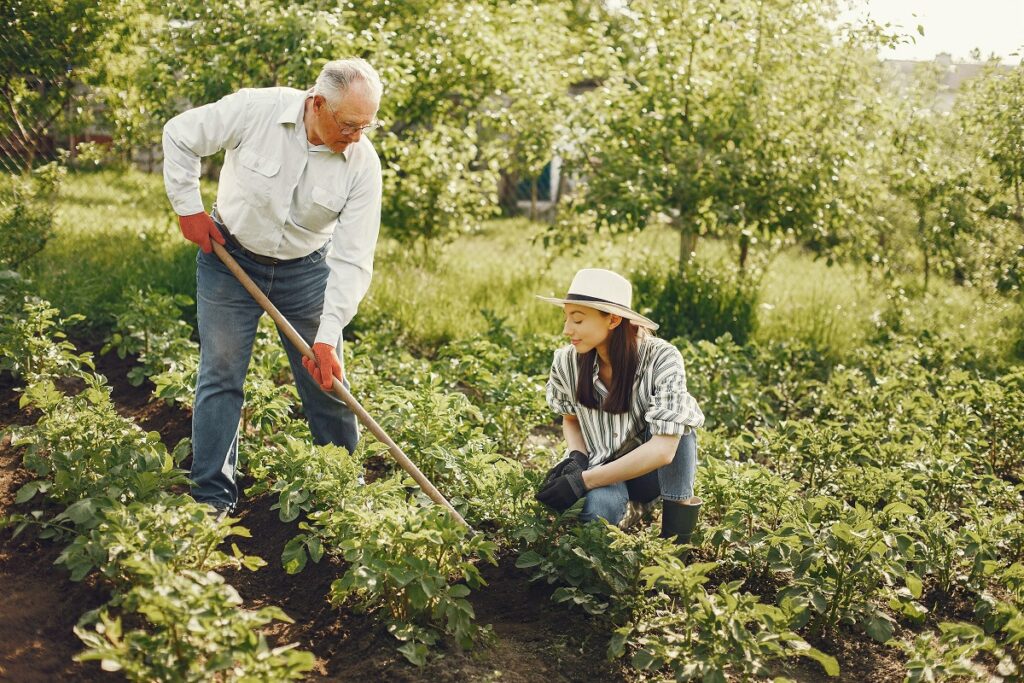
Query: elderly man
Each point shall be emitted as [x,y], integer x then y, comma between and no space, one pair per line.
[298,206]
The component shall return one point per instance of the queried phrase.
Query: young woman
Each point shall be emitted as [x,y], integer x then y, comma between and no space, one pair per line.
[628,420]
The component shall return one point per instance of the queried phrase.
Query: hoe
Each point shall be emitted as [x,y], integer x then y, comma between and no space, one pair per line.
[408,465]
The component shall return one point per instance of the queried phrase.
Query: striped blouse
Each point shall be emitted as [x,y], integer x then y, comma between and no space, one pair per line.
[660,401]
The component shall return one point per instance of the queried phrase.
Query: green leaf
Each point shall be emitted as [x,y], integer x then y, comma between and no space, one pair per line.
[878,627]
[415,652]
[528,559]
[293,557]
[30,489]
[914,584]
[316,548]
[828,662]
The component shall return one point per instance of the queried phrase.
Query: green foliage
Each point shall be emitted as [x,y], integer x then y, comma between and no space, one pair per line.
[27,205]
[173,533]
[842,562]
[700,302]
[195,631]
[709,637]
[34,344]
[411,562]
[148,325]
[512,402]
[730,118]
[946,655]
[49,43]
[992,107]
[599,565]
[87,456]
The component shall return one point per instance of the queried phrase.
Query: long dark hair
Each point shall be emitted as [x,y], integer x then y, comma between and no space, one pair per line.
[623,352]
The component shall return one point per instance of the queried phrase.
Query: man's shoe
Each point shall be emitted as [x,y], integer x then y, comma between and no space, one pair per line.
[220,511]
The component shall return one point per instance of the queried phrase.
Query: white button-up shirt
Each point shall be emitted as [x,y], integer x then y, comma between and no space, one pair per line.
[279,195]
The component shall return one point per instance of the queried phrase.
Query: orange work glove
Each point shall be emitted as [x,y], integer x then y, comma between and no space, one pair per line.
[199,228]
[326,367]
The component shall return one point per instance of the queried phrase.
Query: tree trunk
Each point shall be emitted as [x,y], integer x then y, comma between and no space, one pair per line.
[744,250]
[1020,208]
[924,245]
[687,246]
[533,199]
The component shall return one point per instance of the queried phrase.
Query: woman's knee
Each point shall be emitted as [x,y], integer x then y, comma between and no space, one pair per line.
[677,478]
[607,502]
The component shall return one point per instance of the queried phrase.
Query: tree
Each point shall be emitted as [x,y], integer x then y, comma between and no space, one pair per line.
[44,44]
[456,77]
[992,107]
[931,170]
[736,118]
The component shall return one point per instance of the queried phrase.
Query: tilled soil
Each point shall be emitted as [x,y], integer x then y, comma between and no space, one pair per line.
[535,640]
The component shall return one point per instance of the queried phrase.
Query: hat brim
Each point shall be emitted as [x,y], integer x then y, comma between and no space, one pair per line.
[627,313]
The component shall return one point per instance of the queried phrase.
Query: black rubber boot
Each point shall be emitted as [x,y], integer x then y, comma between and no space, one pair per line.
[679,519]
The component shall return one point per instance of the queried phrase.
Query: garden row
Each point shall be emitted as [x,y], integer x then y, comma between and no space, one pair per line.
[878,500]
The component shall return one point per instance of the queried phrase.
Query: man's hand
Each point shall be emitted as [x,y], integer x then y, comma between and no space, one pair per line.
[199,228]
[326,367]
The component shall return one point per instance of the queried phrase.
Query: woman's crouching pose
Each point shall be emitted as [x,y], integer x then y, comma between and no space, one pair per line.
[628,420]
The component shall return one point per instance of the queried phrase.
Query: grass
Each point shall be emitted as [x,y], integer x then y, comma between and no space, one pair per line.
[116,231]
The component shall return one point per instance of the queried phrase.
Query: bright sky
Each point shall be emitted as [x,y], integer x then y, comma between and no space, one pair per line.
[953,26]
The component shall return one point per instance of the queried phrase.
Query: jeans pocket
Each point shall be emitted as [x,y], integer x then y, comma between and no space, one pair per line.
[318,255]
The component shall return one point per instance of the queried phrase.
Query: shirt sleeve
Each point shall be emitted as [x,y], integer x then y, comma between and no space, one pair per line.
[194,134]
[351,254]
[561,394]
[672,411]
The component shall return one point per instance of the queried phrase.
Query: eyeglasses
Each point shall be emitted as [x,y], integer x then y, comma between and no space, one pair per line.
[350,130]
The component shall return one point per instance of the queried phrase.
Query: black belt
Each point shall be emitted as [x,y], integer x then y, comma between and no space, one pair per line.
[258,258]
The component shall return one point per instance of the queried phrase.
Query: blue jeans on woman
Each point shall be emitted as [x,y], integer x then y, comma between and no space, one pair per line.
[675,480]
[228,318]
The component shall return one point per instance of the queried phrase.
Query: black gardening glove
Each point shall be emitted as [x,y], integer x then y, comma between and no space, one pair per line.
[565,490]
[580,459]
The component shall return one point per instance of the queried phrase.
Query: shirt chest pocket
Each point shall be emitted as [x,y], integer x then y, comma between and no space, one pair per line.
[258,175]
[324,208]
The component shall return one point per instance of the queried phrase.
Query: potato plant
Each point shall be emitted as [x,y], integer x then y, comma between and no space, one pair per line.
[195,630]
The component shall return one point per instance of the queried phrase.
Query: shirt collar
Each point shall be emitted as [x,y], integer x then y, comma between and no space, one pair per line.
[292,110]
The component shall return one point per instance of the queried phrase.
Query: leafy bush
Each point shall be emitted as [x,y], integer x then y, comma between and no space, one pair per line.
[843,562]
[701,302]
[148,324]
[195,630]
[87,456]
[710,637]
[34,345]
[27,206]
[175,531]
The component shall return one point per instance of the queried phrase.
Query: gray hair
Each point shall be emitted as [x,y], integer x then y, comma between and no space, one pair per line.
[337,77]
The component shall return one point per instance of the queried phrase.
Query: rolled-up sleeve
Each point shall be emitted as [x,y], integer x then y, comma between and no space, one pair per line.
[194,134]
[561,393]
[351,254]
[673,411]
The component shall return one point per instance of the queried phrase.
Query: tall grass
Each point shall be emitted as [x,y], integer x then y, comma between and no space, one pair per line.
[115,231]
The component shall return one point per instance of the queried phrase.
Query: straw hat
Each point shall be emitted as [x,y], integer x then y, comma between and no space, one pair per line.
[604,290]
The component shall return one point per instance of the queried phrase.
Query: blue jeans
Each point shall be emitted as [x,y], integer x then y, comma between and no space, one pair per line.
[675,479]
[228,317]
